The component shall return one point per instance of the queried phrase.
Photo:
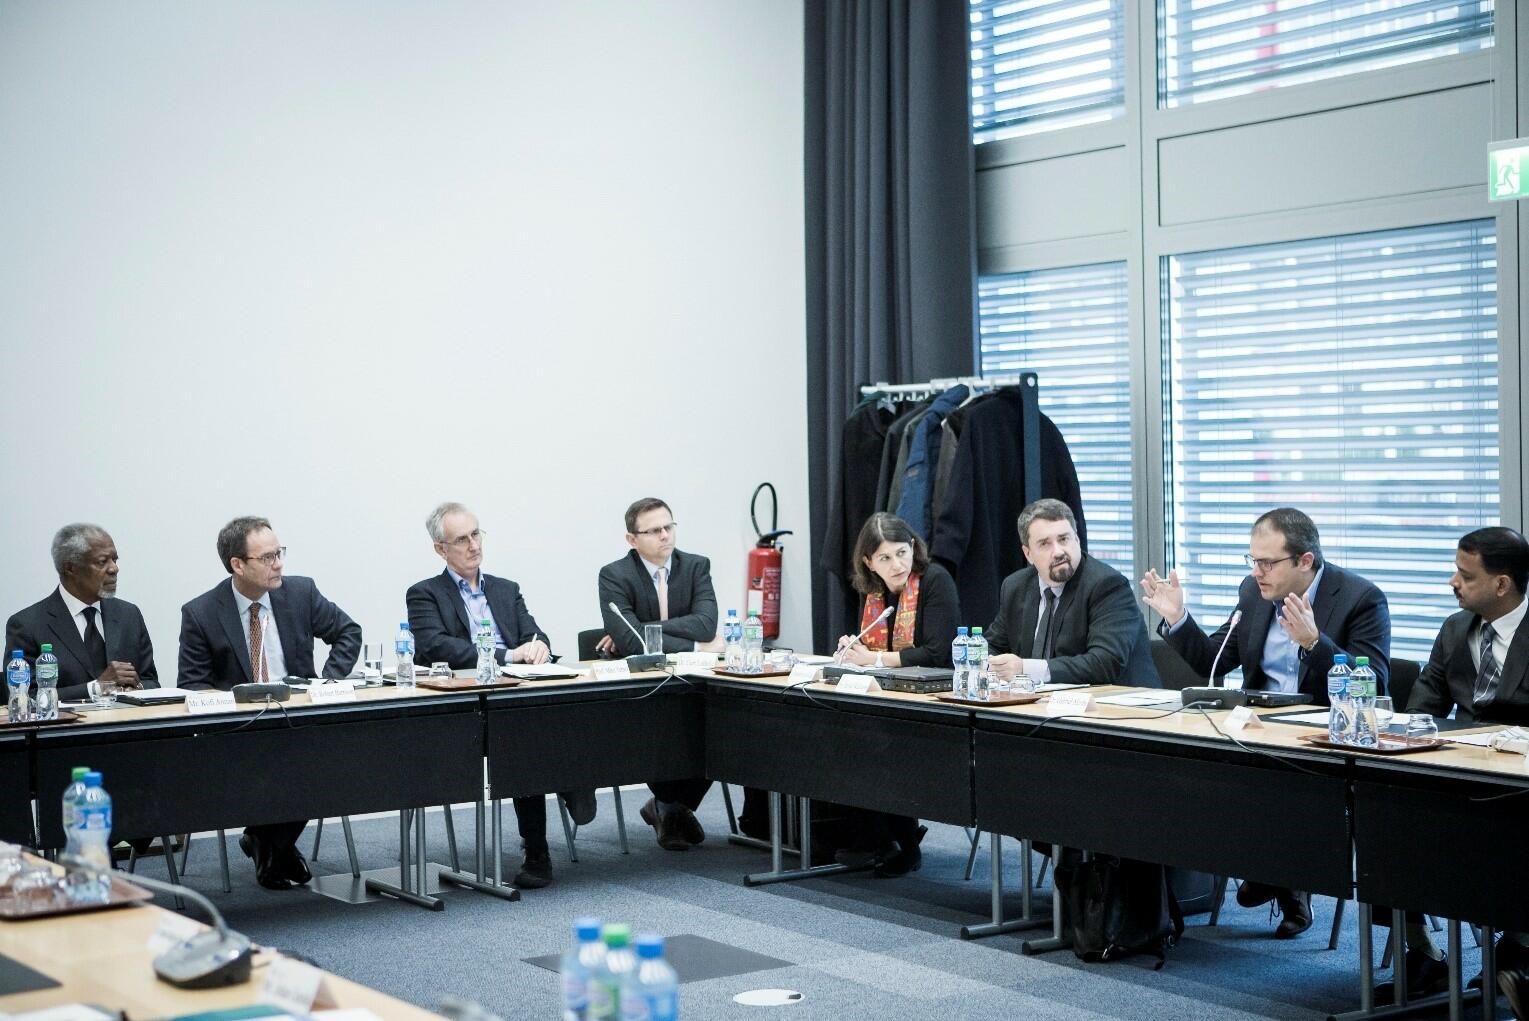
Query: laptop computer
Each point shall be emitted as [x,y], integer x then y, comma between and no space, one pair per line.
[920,680]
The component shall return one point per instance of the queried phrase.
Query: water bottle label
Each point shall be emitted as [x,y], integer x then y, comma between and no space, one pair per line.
[576,994]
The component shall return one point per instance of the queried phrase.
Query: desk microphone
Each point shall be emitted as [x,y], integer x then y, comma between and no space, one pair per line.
[1214,696]
[647,661]
[839,656]
[1231,626]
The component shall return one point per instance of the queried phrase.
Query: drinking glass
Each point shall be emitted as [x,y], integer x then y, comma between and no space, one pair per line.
[440,670]
[1023,684]
[653,639]
[1384,712]
[1422,725]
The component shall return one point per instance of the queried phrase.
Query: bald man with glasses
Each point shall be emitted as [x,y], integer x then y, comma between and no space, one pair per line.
[1298,612]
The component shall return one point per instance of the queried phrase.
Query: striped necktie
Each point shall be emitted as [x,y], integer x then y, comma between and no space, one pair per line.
[1487,675]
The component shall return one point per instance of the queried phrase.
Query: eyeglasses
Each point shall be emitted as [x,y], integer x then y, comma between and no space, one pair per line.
[1261,566]
[269,559]
[465,541]
[654,533]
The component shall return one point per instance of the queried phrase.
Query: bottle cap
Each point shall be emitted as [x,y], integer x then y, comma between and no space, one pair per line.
[1340,660]
[17,655]
[961,631]
[78,772]
[650,945]
[46,648]
[404,626]
[1362,661]
[587,929]
[616,936]
[976,631]
[92,779]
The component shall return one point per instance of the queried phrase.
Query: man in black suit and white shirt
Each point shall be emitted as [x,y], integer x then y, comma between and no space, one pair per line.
[1067,618]
[1297,612]
[1478,667]
[444,612]
[260,626]
[655,583]
[95,636]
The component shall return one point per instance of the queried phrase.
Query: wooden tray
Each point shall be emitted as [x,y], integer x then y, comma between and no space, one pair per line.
[123,894]
[724,672]
[64,716]
[1022,698]
[463,683]
[1394,745]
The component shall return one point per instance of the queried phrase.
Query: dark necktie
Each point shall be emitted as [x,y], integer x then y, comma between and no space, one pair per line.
[1486,677]
[95,645]
[1048,624]
[257,650]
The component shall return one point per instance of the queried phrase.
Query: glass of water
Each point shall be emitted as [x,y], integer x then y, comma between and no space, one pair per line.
[1384,712]
[1023,684]
[653,639]
[440,670]
[102,693]
[1422,725]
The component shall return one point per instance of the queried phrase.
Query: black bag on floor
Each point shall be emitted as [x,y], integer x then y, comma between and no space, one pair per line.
[1113,907]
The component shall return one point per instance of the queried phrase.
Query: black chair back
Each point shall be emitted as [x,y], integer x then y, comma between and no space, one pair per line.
[587,640]
[1175,673]
[1404,673]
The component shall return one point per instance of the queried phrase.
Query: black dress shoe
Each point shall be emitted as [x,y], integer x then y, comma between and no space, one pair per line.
[665,825]
[907,859]
[535,872]
[690,826]
[295,867]
[1515,986]
[1511,956]
[1425,977]
[860,858]
[751,826]
[267,874]
[582,806]
[1295,906]
[1251,894]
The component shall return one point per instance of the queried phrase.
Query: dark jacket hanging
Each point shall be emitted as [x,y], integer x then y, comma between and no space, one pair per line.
[853,501]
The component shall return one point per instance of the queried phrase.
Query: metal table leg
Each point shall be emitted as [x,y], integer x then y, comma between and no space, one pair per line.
[405,890]
[778,872]
[1027,919]
[1058,940]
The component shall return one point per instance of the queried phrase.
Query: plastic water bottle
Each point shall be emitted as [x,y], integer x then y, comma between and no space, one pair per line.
[579,964]
[18,678]
[92,832]
[1361,684]
[732,635]
[47,684]
[1342,708]
[958,650]
[651,991]
[976,666]
[485,643]
[403,647]
[605,982]
[753,644]
[71,804]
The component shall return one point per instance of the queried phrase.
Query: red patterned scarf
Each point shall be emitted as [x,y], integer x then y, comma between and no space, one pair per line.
[902,627]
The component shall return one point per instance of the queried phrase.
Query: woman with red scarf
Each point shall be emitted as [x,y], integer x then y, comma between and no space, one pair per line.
[892,568]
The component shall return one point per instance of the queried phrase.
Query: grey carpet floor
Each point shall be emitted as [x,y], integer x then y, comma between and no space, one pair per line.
[859,947]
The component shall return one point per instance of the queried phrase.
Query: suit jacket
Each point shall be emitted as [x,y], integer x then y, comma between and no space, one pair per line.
[1449,679]
[1101,637]
[442,632]
[692,603]
[215,654]
[934,627]
[1352,617]
[49,621]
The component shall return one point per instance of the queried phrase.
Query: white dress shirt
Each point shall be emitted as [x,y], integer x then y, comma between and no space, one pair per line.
[1504,628]
[77,611]
[270,636]
[1038,670]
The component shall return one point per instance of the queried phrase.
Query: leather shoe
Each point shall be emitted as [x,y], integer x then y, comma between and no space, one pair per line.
[1511,956]
[266,874]
[666,826]
[1515,986]
[1295,906]
[907,859]
[294,866]
[690,826]
[860,858]
[750,826]
[1251,894]
[581,806]
[1425,977]
[535,872]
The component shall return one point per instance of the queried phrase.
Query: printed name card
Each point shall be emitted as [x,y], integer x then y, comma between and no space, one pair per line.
[695,660]
[172,932]
[1074,702]
[1243,718]
[199,703]
[804,673]
[334,691]
[295,987]
[858,684]
[614,670]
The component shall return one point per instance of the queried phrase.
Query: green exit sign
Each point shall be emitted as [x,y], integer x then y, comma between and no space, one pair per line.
[1508,163]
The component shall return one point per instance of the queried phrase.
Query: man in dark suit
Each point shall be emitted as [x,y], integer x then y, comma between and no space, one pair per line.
[1067,618]
[1296,612]
[260,627]
[1478,667]
[95,636]
[655,583]
[444,612]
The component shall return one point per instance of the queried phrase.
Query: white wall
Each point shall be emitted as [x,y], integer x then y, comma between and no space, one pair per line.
[333,262]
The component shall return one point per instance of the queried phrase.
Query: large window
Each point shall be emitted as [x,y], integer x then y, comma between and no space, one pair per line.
[1069,327]
[1211,49]
[1353,377]
[1038,65]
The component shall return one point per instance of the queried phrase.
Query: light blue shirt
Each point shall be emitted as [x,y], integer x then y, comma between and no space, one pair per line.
[1282,657]
[270,637]
[476,602]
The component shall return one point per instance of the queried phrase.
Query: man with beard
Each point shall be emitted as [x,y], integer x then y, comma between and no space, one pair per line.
[1067,618]
[96,637]
[1297,612]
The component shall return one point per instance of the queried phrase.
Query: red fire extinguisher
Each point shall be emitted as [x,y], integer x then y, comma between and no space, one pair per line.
[763,575]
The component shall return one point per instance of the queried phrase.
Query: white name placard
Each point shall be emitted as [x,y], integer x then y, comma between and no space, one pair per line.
[1074,702]
[858,684]
[615,670]
[1243,718]
[804,673]
[199,703]
[172,932]
[295,987]
[335,691]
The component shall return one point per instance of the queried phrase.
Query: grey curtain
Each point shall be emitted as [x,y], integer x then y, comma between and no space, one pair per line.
[889,223]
